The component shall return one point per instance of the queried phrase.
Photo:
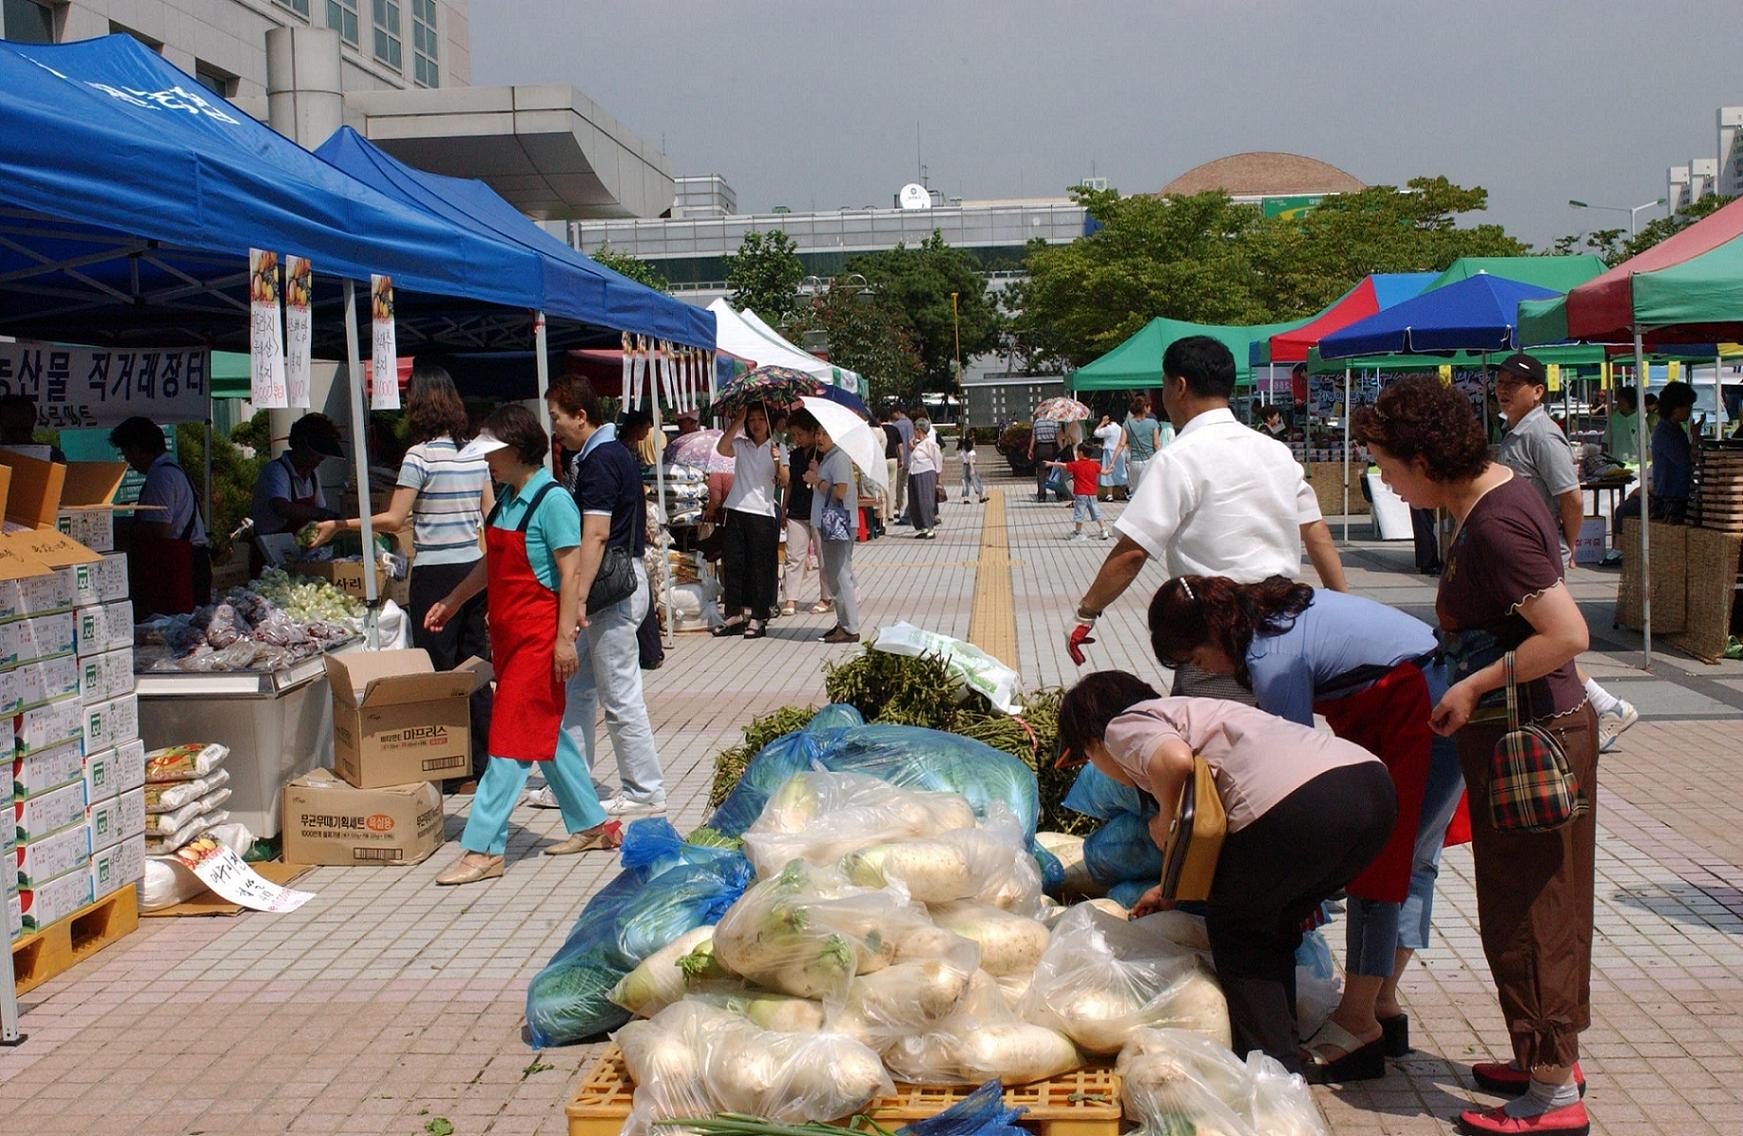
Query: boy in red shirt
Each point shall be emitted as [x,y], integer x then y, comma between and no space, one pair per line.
[1085,472]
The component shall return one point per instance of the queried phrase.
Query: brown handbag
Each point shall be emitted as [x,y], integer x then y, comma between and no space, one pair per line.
[1195,838]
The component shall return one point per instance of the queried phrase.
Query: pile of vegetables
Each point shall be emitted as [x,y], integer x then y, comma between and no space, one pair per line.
[895,929]
[243,631]
[307,598]
[1174,1082]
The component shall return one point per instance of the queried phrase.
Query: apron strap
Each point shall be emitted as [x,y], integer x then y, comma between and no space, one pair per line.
[194,497]
[532,507]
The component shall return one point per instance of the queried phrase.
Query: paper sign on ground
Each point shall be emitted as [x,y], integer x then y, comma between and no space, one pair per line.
[299,281]
[384,353]
[265,331]
[228,876]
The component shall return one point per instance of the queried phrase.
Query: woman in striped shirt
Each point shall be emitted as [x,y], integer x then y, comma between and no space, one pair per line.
[446,501]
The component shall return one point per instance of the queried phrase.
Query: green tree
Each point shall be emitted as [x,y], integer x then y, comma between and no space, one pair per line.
[867,336]
[1606,243]
[916,284]
[1666,227]
[1206,259]
[634,267]
[764,276]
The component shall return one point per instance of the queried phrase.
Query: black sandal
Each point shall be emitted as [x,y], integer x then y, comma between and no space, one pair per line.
[1395,1035]
[1360,1062]
[755,629]
[734,627]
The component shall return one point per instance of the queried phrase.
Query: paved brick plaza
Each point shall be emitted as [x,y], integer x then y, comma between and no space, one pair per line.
[386,1003]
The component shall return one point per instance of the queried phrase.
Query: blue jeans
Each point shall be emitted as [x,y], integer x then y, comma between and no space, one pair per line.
[500,787]
[610,676]
[1377,928]
[1084,508]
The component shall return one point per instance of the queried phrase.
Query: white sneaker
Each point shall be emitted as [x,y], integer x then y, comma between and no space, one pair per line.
[541,798]
[620,806]
[1104,534]
[1078,538]
[1615,721]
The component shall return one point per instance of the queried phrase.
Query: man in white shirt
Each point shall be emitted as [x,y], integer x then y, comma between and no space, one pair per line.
[1222,500]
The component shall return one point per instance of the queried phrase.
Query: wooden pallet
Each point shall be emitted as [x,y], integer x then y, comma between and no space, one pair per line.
[57,948]
[1081,1103]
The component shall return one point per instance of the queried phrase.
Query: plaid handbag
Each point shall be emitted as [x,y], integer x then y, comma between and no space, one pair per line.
[1531,787]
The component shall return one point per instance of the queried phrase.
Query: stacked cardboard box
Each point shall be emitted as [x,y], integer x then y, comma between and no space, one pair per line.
[74,776]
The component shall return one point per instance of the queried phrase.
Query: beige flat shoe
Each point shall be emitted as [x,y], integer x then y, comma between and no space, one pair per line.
[822,606]
[607,835]
[789,608]
[460,872]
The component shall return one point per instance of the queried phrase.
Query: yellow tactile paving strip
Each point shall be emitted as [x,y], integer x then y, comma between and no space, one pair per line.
[992,621]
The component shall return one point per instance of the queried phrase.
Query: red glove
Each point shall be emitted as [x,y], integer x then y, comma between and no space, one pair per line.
[1078,639]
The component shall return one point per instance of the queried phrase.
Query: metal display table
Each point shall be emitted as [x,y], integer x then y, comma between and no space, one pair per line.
[278,725]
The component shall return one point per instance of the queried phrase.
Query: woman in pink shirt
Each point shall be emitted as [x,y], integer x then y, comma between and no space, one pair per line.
[1307,811]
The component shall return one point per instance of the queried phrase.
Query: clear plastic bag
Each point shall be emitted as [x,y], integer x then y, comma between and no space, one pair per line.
[1122,849]
[982,1040]
[1009,943]
[1279,1103]
[808,932]
[902,1000]
[1173,1081]
[1102,979]
[667,887]
[1317,987]
[696,1059]
[658,980]
[988,862]
[1178,927]
[821,817]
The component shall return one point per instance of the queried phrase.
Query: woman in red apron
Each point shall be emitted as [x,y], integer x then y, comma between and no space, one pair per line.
[1371,671]
[532,550]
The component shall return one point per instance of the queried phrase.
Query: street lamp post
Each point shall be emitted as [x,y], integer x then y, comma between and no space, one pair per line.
[1632,211]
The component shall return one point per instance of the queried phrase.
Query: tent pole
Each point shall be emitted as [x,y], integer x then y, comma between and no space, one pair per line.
[1645,498]
[1718,399]
[542,362]
[665,536]
[198,600]
[360,457]
[1346,455]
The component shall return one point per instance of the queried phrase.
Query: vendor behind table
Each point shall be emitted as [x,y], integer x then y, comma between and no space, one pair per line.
[287,494]
[169,561]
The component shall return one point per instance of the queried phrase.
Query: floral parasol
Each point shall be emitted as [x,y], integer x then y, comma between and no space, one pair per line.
[1062,410]
[698,450]
[776,387]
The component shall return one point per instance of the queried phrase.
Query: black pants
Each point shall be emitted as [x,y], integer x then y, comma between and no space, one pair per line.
[1422,529]
[464,635]
[1044,453]
[202,575]
[647,636]
[1270,878]
[751,559]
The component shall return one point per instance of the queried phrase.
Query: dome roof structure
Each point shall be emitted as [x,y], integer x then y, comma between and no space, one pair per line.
[1264,174]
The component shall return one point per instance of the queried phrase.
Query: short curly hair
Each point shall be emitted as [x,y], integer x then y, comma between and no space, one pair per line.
[1422,415]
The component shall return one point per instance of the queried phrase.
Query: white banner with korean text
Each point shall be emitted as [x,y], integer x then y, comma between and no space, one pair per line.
[101,386]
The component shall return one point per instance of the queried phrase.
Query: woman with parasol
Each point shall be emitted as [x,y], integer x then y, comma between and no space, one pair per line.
[752,532]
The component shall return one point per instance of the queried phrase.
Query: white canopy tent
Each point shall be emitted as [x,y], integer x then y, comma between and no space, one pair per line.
[745,335]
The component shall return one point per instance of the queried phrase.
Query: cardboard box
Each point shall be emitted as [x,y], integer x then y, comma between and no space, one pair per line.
[110,723]
[119,818]
[328,821]
[38,637]
[104,580]
[104,627]
[114,771]
[43,771]
[56,900]
[47,726]
[37,817]
[40,861]
[14,916]
[5,796]
[117,866]
[346,575]
[397,720]
[37,595]
[105,676]
[37,684]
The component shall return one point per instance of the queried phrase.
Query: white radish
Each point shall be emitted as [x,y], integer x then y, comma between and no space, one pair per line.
[659,980]
[1015,1053]
[1009,944]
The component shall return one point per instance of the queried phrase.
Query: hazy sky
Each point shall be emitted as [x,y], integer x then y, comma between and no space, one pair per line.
[817,103]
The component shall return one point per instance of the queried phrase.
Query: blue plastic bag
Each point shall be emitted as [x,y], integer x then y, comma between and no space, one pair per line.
[980,1113]
[1096,794]
[1056,484]
[667,887]
[1121,849]
[1052,871]
[905,756]
[1127,893]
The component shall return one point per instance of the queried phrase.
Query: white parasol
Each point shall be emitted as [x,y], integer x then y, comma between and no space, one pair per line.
[849,431]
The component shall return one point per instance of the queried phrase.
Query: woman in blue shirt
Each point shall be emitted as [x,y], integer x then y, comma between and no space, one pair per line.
[532,560]
[1370,669]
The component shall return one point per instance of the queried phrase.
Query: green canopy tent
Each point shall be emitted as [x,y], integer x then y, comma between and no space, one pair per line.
[1560,273]
[1137,363]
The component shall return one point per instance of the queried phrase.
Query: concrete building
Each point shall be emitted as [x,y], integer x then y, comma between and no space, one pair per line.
[1722,173]
[396,70]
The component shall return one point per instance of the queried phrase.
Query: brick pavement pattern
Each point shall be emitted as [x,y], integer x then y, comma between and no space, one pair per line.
[387,1004]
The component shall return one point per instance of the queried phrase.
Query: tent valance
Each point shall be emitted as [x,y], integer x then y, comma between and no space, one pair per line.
[1137,363]
[744,335]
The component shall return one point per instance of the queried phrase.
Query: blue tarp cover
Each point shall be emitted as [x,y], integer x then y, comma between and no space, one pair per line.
[576,287]
[1479,313]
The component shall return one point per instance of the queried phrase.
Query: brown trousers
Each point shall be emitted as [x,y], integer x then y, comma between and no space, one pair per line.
[1534,899]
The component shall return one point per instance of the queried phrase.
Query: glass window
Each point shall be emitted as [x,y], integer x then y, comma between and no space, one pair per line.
[385,21]
[215,79]
[300,7]
[26,21]
[426,49]
[342,18]
[122,29]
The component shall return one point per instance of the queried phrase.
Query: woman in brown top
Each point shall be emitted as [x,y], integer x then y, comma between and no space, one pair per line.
[1502,591]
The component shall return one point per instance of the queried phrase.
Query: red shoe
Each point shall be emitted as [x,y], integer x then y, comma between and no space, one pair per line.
[1569,1121]
[1500,1077]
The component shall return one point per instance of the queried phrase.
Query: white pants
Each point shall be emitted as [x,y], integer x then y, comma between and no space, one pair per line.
[800,534]
[1135,471]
